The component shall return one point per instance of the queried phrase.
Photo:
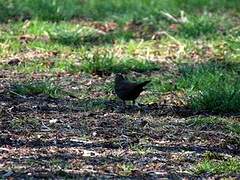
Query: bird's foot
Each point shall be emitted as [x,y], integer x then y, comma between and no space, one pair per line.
[136,106]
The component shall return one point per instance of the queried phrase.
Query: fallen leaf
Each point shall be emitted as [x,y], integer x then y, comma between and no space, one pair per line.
[14,62]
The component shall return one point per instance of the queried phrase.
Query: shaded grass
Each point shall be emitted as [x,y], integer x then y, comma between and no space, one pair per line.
[100,63]
[38,87]
[107,63]
[217,123]
[24,123]
[212,86]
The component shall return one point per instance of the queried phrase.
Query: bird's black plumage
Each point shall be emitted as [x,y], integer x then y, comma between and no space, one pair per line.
[127,90]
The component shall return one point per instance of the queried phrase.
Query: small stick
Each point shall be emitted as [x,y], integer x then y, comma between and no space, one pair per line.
[24,97]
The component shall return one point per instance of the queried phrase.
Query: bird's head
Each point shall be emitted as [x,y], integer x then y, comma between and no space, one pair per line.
[119,77]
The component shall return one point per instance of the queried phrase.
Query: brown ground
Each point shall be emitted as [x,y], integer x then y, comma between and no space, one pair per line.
[66,138]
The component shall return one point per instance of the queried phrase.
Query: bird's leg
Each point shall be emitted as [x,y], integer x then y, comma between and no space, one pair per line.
[124,104]
[133,102]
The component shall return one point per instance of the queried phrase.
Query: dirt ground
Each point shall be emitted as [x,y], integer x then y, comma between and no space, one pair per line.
[44,137]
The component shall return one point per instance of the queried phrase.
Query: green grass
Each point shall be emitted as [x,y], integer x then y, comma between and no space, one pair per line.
[218,167]
[25,123]
[90,104]
[86,36]
[141,151]
[76,36]
[49,65]
[126,169]
[53,164]
[123,10]
[217,123]
[212,86]
[37,87]
[198,26]
[102,61]
[91,63]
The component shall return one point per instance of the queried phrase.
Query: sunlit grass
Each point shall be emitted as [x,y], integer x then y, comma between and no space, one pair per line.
[218,167]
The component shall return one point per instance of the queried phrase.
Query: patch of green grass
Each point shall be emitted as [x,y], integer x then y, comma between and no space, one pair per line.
[162,84]
[211,86]
[90,62]
[25,123]
[42,9]
[8,42]
[122,11]
[49,47]
[135,65]
[37,87]
[107,63]
[218,167]
[49,65]
[76,36]
[126,169]
[140,151]
[233,49]
[207,26]
[217,123]
[93,105]
[40,65]
[53,164]
[199,26]
[57,163]
[157,86]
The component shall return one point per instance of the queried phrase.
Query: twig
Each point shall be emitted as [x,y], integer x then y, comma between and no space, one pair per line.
[70,94]
[183,19]
[24,97]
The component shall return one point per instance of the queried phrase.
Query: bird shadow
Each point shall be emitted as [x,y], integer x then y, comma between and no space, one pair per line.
[43,104]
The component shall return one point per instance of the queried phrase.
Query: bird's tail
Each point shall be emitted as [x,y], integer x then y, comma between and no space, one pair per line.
[144,83]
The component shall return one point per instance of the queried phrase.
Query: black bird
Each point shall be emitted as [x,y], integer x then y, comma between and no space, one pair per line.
[126,90]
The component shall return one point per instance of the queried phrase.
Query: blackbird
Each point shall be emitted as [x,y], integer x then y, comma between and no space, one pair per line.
[126,90]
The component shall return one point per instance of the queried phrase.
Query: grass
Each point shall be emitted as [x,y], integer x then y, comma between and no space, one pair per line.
[53,164]
[74,36]
[212,86]
[25,123]
[102,61]
[124,10]
[93,63]
[141,151]
[228,166]
[37,87]
[198,26]
[207,86]
[54,65]
[93,104]
[217,123]
[126,169]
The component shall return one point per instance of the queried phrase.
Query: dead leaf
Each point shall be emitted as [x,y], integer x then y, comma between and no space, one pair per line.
[26,38]
[110,26]
[14,62]
[174,27]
